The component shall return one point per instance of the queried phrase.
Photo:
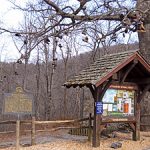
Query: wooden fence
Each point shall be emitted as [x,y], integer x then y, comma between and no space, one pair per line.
[81,128]
[34,123]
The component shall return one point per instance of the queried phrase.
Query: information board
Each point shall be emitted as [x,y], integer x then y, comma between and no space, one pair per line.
[118,102]
[18,102]
[99,108]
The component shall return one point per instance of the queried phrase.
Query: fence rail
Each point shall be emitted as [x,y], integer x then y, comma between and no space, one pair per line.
[66,124]
[33,124]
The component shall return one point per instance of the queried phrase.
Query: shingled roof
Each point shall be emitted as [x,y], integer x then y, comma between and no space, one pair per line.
[105,67]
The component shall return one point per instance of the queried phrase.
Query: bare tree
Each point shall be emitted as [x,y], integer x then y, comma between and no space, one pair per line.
[62,18]
[126,17]
[66,50]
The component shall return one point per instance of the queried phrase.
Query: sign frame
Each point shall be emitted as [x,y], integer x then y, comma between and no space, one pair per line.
[29,97]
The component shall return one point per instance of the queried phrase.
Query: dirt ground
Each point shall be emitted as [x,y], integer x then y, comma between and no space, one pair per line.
[61,140]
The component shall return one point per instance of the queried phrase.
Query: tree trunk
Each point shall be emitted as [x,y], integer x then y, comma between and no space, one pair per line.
[144,45]
[144,42]
[65,90]
[37,95]
[144,37]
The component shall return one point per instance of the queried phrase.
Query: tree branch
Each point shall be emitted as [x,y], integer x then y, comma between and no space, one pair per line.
[105,16]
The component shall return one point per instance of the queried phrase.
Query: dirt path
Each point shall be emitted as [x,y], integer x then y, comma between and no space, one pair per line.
[61,140]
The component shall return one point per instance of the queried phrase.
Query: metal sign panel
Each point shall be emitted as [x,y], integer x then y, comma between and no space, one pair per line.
[18,102]
[99,108]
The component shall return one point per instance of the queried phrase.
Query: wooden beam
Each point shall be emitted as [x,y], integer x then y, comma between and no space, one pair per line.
[33,131]
[8,122]
[90,127]
[119,67]
[129,70]
[104,89]
[140,80]
[61,121]
[18,135]
[124,86]
[97,120]
[132,126]
[92,89]
[99,93]
[96,129]
[108,119]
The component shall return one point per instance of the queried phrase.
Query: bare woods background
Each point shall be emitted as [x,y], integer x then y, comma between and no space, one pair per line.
[51,100]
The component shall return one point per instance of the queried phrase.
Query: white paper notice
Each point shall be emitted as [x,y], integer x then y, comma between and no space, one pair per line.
[110,107]
[119,104]
[105,106]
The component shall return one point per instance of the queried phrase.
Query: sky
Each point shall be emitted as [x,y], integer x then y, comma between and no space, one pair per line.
[9,18]
[8,15]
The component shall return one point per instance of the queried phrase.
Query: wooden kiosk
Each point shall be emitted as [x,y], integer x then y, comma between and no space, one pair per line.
[126,71]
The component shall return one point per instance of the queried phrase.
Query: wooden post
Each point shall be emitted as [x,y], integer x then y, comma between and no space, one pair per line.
[97,120]
[17,134]
[96,129]
[90,129]
[98,95]
[33,131]
[82,103]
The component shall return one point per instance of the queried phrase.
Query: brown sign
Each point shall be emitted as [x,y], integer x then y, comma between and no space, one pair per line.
[127,87]
[18,102]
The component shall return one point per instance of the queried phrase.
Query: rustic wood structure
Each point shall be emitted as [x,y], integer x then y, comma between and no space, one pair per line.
[64,124]
[126,70]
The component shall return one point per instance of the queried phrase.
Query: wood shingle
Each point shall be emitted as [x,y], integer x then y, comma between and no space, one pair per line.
[105,67]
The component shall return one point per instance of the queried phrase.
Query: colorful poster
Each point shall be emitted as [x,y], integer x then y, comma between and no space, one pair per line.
[109,96]
[118,102]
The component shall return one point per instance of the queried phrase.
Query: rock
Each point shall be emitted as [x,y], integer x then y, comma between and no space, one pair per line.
[108,134]
[116,145]
[113,135]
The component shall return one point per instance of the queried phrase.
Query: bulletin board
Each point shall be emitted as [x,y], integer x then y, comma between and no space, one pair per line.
[118,102]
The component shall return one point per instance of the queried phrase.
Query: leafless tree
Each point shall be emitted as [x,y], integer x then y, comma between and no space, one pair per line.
[126,17]
[58,19]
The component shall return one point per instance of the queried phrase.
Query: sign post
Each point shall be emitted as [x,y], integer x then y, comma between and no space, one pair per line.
[98,111]
[18,103]
[18,135]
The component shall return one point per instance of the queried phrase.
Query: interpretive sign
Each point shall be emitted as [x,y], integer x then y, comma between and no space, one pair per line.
[99,107]
[119,102]
[18,102]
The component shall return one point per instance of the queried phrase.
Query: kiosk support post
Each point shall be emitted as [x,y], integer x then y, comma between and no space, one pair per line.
[96,129]
[97,119]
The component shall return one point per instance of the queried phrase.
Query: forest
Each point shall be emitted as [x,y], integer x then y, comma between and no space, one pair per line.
[51,39]
[52,42]
[45,84]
